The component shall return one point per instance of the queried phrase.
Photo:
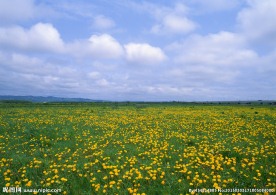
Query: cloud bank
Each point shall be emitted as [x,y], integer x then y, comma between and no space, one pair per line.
[153,51]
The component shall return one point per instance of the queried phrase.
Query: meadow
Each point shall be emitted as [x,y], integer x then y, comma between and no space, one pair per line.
[137,149]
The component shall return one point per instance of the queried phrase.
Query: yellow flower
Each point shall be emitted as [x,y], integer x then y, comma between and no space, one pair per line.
[29,183]
[215,185]
[63,179]
[130,190]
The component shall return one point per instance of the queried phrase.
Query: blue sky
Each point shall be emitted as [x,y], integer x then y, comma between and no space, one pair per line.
[186,50]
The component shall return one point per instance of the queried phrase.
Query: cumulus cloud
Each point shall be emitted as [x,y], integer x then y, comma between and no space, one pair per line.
[105,45]
[102,22]
[257,21]
[219,57]
[41,37]
[174,24]
[173,20]
[102,46]
[220,49]
[143,53]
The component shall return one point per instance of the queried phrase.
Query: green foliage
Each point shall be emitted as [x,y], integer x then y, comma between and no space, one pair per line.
[136,148]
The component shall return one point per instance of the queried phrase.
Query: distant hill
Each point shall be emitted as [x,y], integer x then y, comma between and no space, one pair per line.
[44,99]
[49,99]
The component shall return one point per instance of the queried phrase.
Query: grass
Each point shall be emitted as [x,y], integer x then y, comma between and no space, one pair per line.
[137,149]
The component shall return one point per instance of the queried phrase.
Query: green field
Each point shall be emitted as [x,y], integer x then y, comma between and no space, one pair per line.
[131,148]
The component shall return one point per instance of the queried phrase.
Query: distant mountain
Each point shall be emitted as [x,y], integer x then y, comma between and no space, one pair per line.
[44,99]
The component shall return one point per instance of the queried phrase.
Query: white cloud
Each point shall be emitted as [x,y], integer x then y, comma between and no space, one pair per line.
[94,75]
[23,73]
[105,46]
[217,57]
[172,20]
[102,22]
[221,49]
[143,53]
[174,24]
[25,64]
[35,60]
[102,46]
[258,21]
[169,19]
[46,36]
[41,37]
[102,82]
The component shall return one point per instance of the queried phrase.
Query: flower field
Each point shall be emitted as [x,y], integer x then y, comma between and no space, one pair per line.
[137,148]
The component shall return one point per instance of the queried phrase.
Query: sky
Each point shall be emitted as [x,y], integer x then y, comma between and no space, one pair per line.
[130,50]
